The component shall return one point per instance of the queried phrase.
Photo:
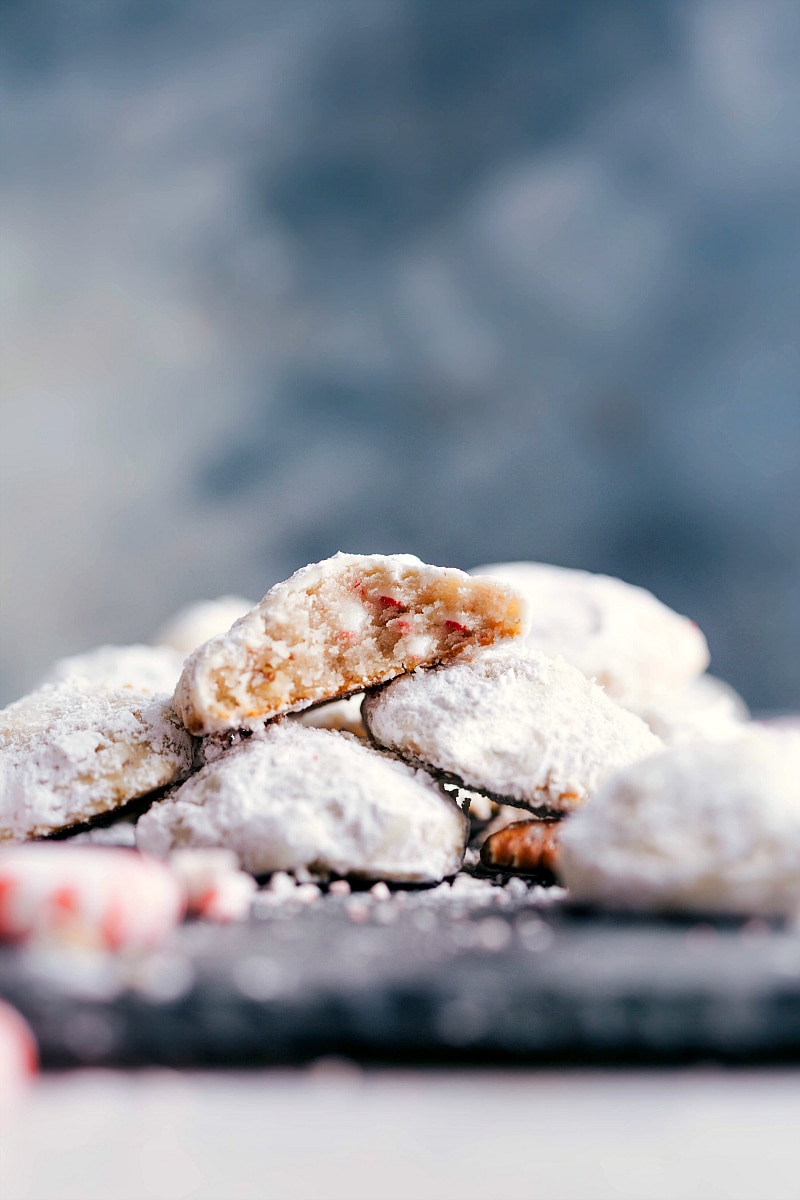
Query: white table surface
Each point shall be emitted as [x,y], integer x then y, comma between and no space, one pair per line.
[333,1132]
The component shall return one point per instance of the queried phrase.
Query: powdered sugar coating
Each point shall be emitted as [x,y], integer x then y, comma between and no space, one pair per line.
[513,723]
[614,632]
[196,623]
[335,628]
[71,751]
[294,797]
[708,827]
[143,668]
[707,709]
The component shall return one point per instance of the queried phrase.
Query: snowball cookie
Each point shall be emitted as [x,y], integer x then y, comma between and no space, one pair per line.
[618,634]
[196,623]
[143,668]
[511,723]
[70,751]
[707,709]
[293,797]
[709,827]
[335,628]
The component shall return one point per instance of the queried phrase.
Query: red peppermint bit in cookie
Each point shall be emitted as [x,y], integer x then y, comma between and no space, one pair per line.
[402,626]
[390,601]
[456,627]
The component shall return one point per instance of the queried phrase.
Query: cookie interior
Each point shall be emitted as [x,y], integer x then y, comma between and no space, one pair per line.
[357,627]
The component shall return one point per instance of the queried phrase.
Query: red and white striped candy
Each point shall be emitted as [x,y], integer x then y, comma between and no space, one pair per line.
[216,890]
[89,895]
[19,1059]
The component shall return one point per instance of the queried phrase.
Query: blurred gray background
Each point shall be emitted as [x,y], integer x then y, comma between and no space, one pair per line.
[476,279]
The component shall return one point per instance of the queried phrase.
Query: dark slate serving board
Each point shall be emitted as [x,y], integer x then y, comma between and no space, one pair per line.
[501,975]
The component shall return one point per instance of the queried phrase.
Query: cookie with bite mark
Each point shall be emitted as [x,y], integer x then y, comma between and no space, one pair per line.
[335,628]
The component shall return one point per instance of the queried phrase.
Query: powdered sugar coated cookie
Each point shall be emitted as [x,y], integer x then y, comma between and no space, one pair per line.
[143,668]
[512,723]
[294,797]
[707,709]
[71,751]
[614,632]
[335,628]
[708,827]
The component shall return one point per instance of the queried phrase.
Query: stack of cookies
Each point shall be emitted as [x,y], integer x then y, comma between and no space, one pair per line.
[372,714]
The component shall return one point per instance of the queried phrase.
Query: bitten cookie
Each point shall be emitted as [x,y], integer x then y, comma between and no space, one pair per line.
[615,633]
[293,797]
[709,827]
[335,628]
[519,726]
[69,752]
